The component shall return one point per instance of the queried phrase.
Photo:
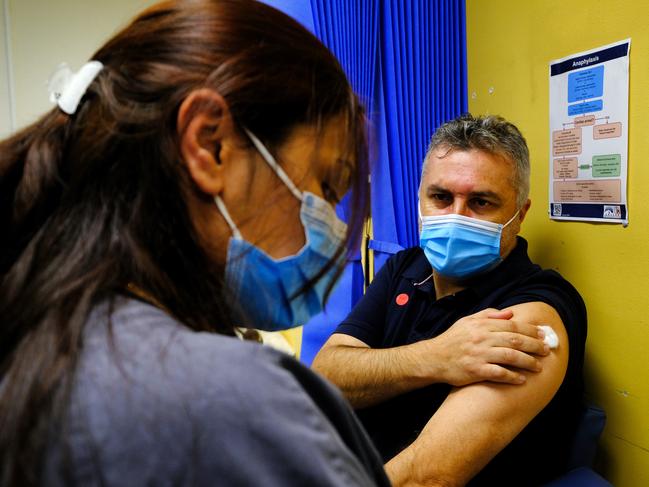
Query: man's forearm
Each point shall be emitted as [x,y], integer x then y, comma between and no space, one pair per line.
[485,346]
[368,376]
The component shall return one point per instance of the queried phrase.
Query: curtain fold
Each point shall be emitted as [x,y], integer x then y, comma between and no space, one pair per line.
[423,83]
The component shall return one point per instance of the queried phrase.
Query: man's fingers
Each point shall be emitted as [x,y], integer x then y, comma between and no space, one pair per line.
[514,358]
[504,314]
[523,343]
[515,327]
[494,313]
[496,373]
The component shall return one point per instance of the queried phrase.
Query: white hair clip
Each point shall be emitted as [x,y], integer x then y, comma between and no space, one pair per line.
[67,88]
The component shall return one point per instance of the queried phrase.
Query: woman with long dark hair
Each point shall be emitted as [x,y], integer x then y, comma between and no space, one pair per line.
[183,185]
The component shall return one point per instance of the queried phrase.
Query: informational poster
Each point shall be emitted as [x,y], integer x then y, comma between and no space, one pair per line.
[589,113]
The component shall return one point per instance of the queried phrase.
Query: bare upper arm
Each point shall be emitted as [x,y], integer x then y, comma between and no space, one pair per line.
[511,406]
[476,421]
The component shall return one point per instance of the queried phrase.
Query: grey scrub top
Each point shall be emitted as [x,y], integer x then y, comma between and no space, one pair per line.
[161,405]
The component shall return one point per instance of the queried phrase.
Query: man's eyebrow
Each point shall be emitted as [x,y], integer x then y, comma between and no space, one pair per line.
[485,194]
[434,188]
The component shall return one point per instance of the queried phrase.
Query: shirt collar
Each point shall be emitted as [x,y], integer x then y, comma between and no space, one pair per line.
[418,271]
[515,265]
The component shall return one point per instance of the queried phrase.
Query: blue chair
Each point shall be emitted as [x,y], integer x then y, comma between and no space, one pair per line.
[580,477]
[583,451]
[584,445]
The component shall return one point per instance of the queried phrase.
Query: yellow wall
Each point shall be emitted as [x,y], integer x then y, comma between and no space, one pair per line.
[510,43]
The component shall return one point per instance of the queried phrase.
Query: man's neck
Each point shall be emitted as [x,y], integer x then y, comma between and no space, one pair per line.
[445,287]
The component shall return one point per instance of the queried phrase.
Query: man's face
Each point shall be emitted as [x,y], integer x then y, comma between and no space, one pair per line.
[472,183]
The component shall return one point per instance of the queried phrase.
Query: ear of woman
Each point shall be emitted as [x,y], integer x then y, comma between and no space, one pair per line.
[205,126]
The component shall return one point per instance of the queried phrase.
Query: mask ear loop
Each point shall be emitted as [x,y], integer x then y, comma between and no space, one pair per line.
[511,219]
[270,160]
[226,214]
[417,284]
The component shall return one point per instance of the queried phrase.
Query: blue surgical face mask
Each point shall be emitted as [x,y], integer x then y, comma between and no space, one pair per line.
[460,247]
[271,291]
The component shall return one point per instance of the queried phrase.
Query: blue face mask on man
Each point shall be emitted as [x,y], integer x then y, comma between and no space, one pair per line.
[273,292]
[459,246]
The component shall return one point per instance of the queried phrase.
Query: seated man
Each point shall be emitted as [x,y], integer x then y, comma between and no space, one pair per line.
[442,357]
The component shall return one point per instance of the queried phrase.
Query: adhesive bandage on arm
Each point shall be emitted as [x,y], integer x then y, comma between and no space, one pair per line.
[551,338]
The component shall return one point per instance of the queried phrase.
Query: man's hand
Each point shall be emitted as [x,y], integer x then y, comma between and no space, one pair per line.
[486,346]
[477,421]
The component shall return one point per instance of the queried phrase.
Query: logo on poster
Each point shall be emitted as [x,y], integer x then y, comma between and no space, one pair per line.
[556,209]
[612,211]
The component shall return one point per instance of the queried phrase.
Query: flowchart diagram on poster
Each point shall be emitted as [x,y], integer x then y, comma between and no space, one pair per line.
[589,135]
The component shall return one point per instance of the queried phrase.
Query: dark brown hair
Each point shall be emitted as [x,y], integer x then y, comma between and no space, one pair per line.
[92,201]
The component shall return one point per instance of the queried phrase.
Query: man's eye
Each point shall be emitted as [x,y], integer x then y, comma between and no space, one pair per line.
[442,197]
[480,203]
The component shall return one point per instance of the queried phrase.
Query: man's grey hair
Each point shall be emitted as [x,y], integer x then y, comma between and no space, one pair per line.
[490,133]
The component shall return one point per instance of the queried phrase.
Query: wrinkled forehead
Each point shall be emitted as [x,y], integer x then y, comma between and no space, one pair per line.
[457,169]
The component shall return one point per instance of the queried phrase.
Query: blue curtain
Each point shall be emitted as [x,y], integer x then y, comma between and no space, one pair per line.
[350,30]
[407,61]
[300,10]
[422,83]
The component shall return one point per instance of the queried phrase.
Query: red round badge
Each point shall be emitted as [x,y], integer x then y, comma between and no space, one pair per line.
[402,299]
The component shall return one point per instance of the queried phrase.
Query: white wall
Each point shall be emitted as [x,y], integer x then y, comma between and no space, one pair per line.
[45,33]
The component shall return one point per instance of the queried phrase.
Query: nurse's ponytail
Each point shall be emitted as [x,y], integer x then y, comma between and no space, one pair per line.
[30,182]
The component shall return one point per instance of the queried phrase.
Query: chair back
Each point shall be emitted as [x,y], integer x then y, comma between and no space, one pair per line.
[584,447]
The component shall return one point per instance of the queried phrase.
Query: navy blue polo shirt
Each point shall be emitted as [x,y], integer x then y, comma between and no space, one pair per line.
[399,309]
